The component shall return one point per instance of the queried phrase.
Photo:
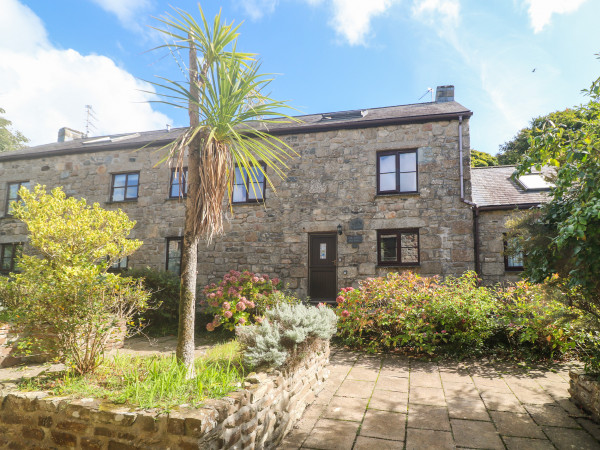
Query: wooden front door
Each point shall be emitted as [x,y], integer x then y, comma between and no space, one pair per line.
[322,262]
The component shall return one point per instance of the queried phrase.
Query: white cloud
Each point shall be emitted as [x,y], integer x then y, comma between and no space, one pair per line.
[431,11]
[541,11]
[127,11]
[43,88]
[258,8]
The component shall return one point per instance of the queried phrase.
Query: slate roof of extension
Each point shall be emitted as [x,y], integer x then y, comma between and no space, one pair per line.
[419,112]
[495,187]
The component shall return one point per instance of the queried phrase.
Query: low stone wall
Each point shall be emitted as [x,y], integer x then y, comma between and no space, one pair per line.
[585,391]
[10,335]
[257,416]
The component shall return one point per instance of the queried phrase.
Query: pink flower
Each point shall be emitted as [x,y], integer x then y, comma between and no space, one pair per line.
[258,319]
[255,279]
[232,291]
[214,304]
[226,306]
[217,319]
[275,281]
[443,331]
[228,314]
[240,306]
[219,292]
[210,327]
[340,299]
[345,313]
[241,321]
[320,305]
[261,279]
[251,304]
[266,277]
[349,289]
[211,295]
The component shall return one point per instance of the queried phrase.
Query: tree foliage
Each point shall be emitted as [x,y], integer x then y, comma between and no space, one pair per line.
[482,159]
[10,140]
[511,152]
[64,285]
[562,239]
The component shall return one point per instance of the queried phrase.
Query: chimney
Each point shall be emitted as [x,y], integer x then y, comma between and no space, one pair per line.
[444,94]
[68,134]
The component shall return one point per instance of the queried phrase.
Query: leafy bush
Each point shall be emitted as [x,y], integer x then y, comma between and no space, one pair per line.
[64,286]
[285,334]
[456,315]
[163,312]
[242,298]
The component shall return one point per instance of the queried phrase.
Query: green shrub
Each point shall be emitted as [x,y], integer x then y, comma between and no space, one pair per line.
[64,286]
[457,315]
[242,298]
[285,334]
[162,315]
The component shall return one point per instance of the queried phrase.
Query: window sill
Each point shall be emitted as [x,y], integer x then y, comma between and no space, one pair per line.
[112,202]
[177,198]
[398,194]
[515,270]
[396,266]
[262,202]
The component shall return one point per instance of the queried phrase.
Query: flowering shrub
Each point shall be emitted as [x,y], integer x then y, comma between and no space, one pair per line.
[457,315]
[241,298]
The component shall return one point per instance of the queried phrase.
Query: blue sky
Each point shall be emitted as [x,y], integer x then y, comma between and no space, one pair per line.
[58,56]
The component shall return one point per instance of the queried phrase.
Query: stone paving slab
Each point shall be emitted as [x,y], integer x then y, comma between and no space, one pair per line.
[391,402]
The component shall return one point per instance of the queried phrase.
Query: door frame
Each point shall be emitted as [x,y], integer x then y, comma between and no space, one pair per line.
[324,234]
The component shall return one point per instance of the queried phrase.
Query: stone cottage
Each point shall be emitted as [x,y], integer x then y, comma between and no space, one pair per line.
[372,191]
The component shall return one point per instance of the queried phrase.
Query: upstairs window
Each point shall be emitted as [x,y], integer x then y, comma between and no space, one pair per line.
[248,187]
[513,255]
[397,172]
[119,265]
[398,247]
[8,254]
[174,252]
[178,185]
[125,187]
[13,193]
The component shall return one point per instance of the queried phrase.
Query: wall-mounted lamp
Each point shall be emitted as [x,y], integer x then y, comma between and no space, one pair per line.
[339,228]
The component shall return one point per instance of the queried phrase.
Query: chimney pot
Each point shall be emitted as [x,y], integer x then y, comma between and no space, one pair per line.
[444,94]
[68,134]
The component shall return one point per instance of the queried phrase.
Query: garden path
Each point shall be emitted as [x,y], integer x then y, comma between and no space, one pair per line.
[389,402]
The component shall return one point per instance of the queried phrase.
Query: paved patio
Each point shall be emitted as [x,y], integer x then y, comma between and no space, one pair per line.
[388,402]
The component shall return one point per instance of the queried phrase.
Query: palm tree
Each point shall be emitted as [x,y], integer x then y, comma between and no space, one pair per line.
[229,123]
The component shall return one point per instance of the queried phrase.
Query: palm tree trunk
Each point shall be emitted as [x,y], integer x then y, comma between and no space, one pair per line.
[189,259]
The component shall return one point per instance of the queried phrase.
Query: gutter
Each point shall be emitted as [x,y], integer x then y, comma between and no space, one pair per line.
[507,207]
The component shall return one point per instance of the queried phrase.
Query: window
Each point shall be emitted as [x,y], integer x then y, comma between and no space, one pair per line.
[125,187]
[174,251]
[248,187]
[13,193]
[8,254]
[397,172]
[119,265]
[513,254]
[534,182]
[178,185]
[398,247]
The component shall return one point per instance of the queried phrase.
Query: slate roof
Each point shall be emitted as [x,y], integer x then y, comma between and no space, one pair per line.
[495,187]
[419,112]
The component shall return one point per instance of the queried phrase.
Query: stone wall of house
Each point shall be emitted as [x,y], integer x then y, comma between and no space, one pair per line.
[332,181]
[257,416]
[492,226]
[12,355]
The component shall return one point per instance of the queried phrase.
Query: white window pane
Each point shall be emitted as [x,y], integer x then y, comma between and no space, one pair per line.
[387,182]
[388,248]
[13,189]
[387,164]
[238,176]
[408,182]
[120,180]
[132,192]
[118,195]
[255,191]
[408,162]
[133,179]
[239,193]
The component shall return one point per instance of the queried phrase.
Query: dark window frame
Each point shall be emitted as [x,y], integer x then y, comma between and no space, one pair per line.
[15,246]
[168,241]
[112,186]
[397,154]
[399,232]
[8,199]
[507,267]
[183,183]
[247,188]
[120,269]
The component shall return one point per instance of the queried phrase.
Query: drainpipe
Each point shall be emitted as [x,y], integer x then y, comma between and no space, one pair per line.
[464,200]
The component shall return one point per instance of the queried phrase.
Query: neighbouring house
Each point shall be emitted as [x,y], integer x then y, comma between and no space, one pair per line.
[372,191]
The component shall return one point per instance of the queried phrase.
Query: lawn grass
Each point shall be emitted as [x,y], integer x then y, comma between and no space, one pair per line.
[151,382]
